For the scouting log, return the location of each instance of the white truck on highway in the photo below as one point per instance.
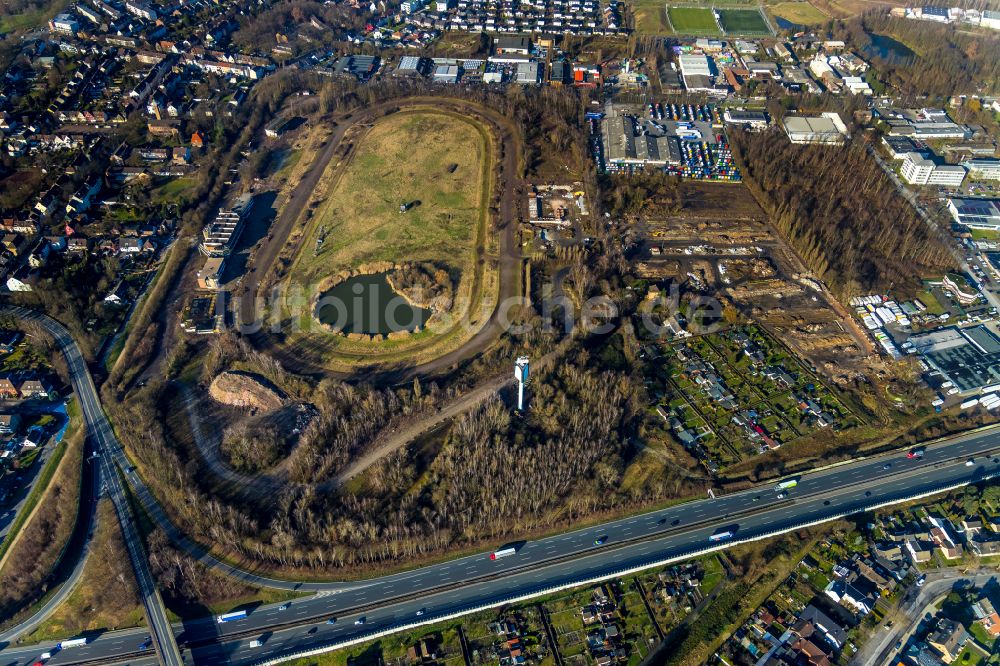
(503, 552)
(787, 484)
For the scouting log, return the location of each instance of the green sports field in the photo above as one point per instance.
(693, 21)
(743, 22)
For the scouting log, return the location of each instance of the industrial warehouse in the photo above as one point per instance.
(967, 360)
(685, 140)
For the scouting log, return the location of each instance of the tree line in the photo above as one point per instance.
(840, 212)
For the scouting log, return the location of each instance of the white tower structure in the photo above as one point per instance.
(521, 375)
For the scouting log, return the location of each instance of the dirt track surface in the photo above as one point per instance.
(264, 485)
(509, 147)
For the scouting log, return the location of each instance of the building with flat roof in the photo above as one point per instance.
(985, 168)
(899, 146)
(512, 44)
(623, 148)
(446, 74)
(210, 275)
(916, 168)
(826, 128)
(221, 234)
(752, 119)
(529, 73)
(976, 213)
(920, 170)
(967, 357)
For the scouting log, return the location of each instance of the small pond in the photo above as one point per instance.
(887, 48)
(368, 304)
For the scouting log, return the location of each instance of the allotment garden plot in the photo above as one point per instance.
(739, 393)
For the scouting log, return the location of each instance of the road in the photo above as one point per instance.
(81, 544)
(932, 226)
(919, 603)
(652, 539)
(9, 510)
(100, 433)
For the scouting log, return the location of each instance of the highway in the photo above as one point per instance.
(106, 444)
(650, 539)
(456, 586)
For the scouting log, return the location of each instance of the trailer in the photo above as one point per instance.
(503, 552)
(231, 617)
(73, 642)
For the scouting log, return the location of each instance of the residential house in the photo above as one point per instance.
(132, 245)
(77, 244)
(33, 438)
(948, 639)
(987, 616)
(972, 526)
(7, 389)
(918, 551)
(9, 340)
(9, 423)
(34, 388)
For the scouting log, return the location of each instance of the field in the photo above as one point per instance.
(438, 163)
(651, 17)
(693, 21)
(743, 22)
(801, 13)
(405, 157)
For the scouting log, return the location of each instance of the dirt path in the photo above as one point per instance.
(509, 182)
(266, 484)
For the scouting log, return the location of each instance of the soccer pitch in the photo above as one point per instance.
(693, 21)
(743, 22)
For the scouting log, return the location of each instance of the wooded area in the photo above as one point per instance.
(841, 213)
(945, 60)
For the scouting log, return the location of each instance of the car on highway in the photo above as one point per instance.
(887, 466)
(915, 454)
(921, 580)
(361, 620)
(332, 620)
(970, 462)
(146, 643)
(781, 495)
(283, 607)
(421, 612)
(600, 541)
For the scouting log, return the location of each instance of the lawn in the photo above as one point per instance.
(440, 164)
(650, 17)
(744, 22)
(693, 21)
(801, 13)
(431, 158)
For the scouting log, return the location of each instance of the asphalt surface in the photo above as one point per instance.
(106, 444)
(649, 539)
(918, 606)
(82, 542)
(20, 490)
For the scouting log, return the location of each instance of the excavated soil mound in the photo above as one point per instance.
(241, 389)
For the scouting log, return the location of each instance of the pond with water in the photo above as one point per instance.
(887, 48)
(368, 304)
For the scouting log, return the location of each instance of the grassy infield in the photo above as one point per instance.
(739, 17)
(405, 157)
